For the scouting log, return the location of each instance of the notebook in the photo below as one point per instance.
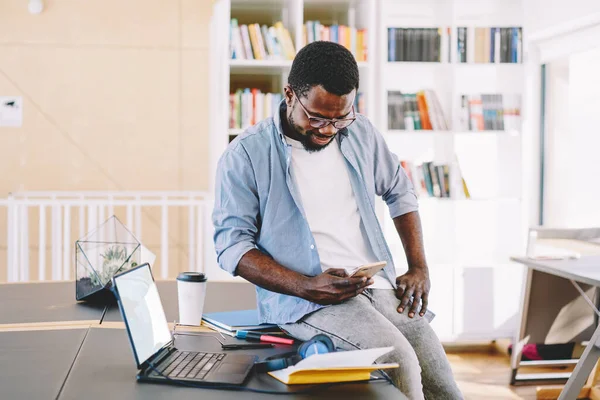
(339, 366)
(244, 320)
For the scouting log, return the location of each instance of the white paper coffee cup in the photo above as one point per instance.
(191, 291)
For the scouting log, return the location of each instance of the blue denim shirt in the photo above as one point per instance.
(257, 205)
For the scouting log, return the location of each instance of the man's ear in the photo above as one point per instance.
(289, 95)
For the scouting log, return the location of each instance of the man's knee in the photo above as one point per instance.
(407, 377)
(405, 355)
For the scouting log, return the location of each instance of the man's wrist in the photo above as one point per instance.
(418, 267)
(304, 287)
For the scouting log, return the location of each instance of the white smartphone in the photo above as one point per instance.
(368, 270)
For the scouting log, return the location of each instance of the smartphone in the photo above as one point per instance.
(368, 270)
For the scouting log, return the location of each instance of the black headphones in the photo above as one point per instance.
(319, 344)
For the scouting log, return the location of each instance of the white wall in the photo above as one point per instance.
(558, 149)
(573, 144)
(542, 15)
(584, 168)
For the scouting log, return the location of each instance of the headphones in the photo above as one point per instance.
(319, 344)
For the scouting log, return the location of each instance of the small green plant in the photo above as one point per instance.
(115, 259)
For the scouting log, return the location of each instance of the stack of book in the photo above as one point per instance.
(255, 42)
(417, 44)
(229, 322)
(415, 111)
(490, 45)
(249, 106)
(353, 39)
(436, 180)
(490, 112)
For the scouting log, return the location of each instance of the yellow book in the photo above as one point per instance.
(329, 375)
(340, 366)
(286, 40)
(254, 41)
(359, 46)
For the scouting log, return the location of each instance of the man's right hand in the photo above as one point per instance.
(334, 286)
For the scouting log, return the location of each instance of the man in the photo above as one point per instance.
(294, 211)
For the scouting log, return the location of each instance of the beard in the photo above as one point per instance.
(306, 137)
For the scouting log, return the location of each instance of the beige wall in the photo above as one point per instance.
(115, 96)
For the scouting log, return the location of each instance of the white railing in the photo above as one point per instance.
(89, 210)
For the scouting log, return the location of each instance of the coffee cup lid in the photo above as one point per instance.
(191, 277)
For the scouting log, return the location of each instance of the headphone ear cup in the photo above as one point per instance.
(318, 344)
(277, 362)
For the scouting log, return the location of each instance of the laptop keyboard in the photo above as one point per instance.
(188, 365)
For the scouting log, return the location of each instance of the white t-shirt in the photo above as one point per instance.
(331, 209)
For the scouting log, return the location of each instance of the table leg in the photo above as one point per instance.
(584, 367)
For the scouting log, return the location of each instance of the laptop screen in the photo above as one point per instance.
(143, 312)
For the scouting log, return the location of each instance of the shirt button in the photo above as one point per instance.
(312, 246)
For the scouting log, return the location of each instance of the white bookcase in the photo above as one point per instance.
(227, 75)
(271, 75)
(476, 289)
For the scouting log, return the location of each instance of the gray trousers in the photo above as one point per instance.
(371, 320)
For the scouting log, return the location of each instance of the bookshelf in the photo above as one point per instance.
(269, 75)
(468, 241)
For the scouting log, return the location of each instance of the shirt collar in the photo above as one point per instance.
(277, 120)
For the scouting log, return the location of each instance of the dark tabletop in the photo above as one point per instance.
(34, 364)
(105, 369)
(44, 302)
(55, 302)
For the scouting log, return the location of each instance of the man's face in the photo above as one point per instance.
(318, 103)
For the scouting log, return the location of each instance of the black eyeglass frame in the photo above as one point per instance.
(320, 123)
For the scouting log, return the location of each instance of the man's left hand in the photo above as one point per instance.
(415, 283)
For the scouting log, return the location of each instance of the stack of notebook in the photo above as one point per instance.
(231, 321)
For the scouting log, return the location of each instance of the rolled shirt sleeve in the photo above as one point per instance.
(236, 209)
(391, 181)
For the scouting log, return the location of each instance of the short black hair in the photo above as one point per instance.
(328, 64)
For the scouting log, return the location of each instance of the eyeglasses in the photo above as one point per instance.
(320, 123)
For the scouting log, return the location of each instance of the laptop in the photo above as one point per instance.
(153, 344)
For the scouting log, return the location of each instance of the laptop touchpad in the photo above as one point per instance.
(231, 368)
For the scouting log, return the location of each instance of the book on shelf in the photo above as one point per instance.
(415, 111)
(490, 112)
(360, 105)
(431, 179)
(351, 38)
(249, 106)
(418, 44)
(489, 45)
(256, 42)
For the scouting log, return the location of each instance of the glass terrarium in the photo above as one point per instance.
(104, 252)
